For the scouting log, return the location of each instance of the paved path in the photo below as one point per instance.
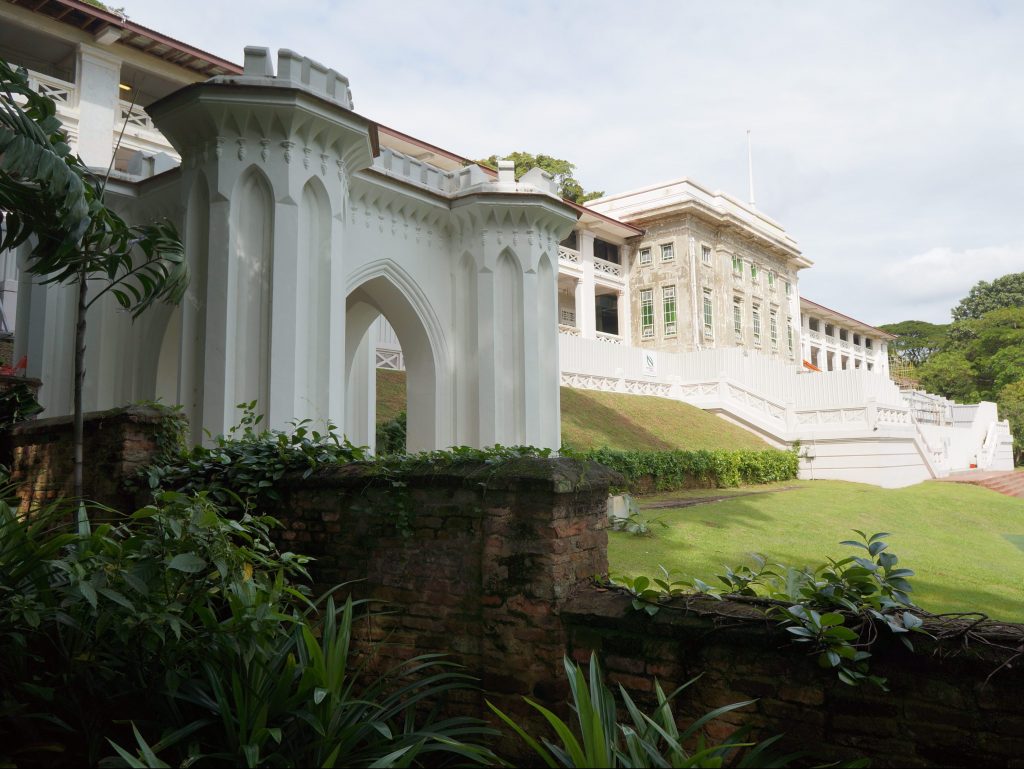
(1008, 482)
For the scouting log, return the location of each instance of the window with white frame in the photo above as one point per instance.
(789, 335)
(773, 329)
(789, 288)
(647, 313)
(737, 267)
(756, 317)
(645, 256)
(771, 280)
(668, 296)
(753, 273)
(737, 318)
(709, 314)
(705, 254)
(667, 252)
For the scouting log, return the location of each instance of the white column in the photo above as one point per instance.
(578, 297)
(218, 398)
(99, 75)
(285, 362)
(361, 419)
(622, 313)
(587, 319)
(486, 359)
(531, 435)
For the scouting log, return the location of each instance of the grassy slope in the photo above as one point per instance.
(950, 534)
(594, 419)
(390, 394)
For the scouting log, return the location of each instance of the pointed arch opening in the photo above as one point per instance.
(426, 418)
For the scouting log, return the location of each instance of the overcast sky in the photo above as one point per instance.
(888, 137)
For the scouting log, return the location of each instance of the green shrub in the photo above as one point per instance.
(187, 633)
(669, 470)
(600, 739)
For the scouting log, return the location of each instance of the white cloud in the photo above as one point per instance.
(880, 129)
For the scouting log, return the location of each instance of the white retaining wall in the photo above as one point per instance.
(852, 425)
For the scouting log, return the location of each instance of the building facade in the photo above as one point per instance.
(323, 245)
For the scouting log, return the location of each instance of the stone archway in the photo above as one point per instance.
(385, 290)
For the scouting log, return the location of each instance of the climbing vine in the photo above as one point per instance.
(836, 608)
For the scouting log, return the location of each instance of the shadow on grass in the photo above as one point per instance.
(721, 513)
(586, 412)
(955, 598)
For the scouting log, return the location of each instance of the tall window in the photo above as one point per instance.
(773, 329)
(789, 334)
(669, 306)
(753, 272)
(737, 267)
(709, 317)
(756, 316)
(647, 313)
(789, 288)
(645, 256)
(667, 252)
(771, 280)
(737, 318)
(705, 255)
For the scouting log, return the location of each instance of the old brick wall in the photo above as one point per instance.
(491, 564)
(488, 557)
(942, 710)
(117, 443)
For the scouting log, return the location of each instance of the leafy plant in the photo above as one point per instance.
(48, 194)
(17, 404)
(687, 469)
(599, 739)
(194, 627)
(836, 607)
(391, 435)
(299, 702)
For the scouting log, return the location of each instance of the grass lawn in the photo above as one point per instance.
(965, 543)
(593, 419)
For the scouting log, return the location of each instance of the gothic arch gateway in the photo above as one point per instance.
(300, 233)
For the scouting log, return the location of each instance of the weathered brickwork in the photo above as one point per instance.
(117, 443)
(940, 710)
(488, 558)
(492, 566)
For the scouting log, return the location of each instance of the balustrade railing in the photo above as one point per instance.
(135, 116)
(569, 255)
(607, 268)
(610, 338)
(61, 91)
(564, 328)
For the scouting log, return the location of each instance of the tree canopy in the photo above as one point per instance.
(980, 356)
(568, 186)
(1007, 291)
(917, 340)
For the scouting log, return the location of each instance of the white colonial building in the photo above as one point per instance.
(324, 245)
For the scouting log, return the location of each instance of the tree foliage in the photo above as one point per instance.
(917, 340)
(1007, 291)
(568, 186)
(1011, 407)
(50, 199)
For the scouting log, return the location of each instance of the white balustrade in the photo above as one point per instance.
(135, 116)
(610, 338)
(60, 91)
(568, 255)
(607, 268)
(564, 328)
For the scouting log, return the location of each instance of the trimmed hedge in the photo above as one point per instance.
(669, 470)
